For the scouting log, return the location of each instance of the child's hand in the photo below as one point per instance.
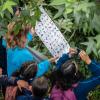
(72, 51)
(85, 57)
(32, 31)
(22, 84)
(53, 59)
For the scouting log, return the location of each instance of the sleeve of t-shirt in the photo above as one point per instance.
(89, 84)
(94, 67)
(29, 36)
(43, 67)
(62, 60)
(5, 81)
(85, 86)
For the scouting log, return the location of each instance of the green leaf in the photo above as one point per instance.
(36, 17)
(58, 2)
(91, 46)
(3, 32)
(0, 8)
(65, 24)
(17, 28)
(8, 6)
(71, 1)
(60, 11)
(99, 52)
(98, 41)
(96, 23)
(25, 13)
(68, 10)
(77, 17)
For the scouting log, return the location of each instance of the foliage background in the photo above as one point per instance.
(78, 21)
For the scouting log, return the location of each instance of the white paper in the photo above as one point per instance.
(51, 35)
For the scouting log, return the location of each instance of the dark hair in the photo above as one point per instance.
(69, 68)
(28, 70)
(65, 77)
(40, 87)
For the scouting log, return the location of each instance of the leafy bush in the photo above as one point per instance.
(78, 21)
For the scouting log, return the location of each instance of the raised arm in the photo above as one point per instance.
(5, 81)
(44, 66)
(62, 60)
(95, 68)
(92, 65)
(66, 57)
(30, 34)
(85, 86)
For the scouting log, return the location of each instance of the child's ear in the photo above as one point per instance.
(0, 71)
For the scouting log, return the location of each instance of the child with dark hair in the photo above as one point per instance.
(25, 75)
(11, 85)
(39, 89)
(30, 71)
(68, 83)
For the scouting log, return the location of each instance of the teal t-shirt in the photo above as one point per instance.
(43, 67)
(17, 56)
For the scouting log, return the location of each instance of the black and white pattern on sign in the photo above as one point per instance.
(51, 35)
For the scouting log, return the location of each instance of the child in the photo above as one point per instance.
(17, 53)
(31, 69)
(39, 90)
(27, 72)
(67, 79)
(11, 85)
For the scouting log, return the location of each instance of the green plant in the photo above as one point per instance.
(78, 20)
(93, 45)
(29, 14)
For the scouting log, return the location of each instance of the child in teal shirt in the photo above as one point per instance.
(17, 55)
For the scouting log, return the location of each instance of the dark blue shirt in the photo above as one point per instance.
(3, 57)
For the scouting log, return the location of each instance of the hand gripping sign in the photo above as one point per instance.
(51, 35)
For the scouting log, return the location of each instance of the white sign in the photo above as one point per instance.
(51, 35)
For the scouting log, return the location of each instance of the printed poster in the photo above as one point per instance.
(51, 35)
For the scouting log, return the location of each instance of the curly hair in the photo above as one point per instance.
(16, 37)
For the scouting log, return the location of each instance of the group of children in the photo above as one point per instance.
(26, 80)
